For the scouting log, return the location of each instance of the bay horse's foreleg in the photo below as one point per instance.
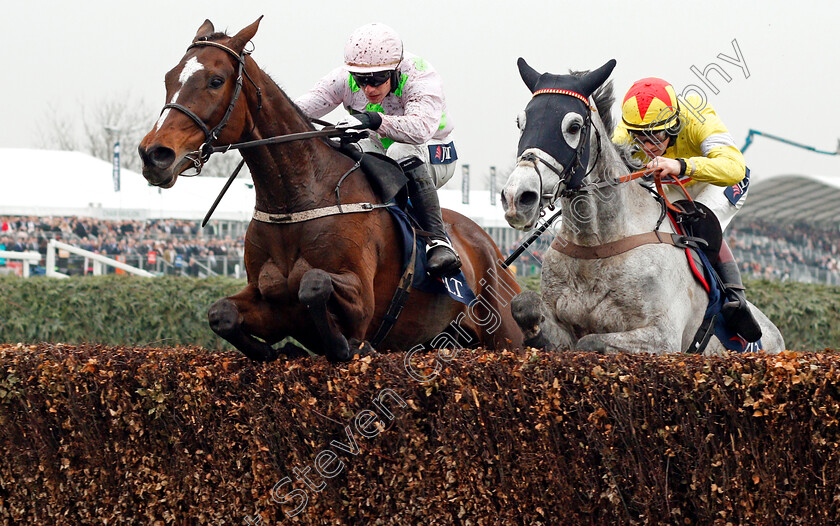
(538, 323)
(226, 317)
(332, 299)
(651, 339)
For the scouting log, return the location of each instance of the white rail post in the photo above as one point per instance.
(50, 272)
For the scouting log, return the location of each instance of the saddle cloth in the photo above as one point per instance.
(455, 287)
(705, 274)
(388, 181)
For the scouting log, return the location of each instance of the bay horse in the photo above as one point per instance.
(328, 280)
(643, 299)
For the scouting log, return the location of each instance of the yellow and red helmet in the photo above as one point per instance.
(650, 104)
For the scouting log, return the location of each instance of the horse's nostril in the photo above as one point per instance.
(159, 156)
(528, 199)
(162, 157)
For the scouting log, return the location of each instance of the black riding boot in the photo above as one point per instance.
(736, 311)
(442, 259)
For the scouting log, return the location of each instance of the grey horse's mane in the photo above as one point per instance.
(604, 99)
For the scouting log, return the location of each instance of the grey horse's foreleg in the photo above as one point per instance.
(539, 327)
(643, 340)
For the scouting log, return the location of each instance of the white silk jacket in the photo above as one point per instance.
(414, 113)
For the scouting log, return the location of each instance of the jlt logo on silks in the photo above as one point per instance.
(442, 153)
(736, 191)
(453, 286)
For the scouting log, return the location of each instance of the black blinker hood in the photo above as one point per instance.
(544, 116)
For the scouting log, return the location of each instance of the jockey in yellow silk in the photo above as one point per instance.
(694, 146)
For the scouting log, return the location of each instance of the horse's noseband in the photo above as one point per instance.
(200, 156)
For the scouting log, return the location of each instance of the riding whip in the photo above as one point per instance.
(533, 237)
(222, 193)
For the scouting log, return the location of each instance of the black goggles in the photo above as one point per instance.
(648, 135)
(377, 78)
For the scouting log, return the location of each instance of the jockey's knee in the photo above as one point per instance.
(399, 150)
(417, 171)
(438, 174)
(370, 145)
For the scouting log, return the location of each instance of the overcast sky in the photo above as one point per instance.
(65, 55)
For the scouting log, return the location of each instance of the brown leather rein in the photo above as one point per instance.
(657, 179)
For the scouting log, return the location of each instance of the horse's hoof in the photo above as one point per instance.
(223, 317)
(525, 308)
(535, 339)
(292, 351)
(269, 354)
(340, 354)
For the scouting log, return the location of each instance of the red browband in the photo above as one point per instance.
(555, 91)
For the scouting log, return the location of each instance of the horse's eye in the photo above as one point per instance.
(574, 128)
(520, 121)
(216, 82)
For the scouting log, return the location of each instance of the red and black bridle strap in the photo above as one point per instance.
(557, 91)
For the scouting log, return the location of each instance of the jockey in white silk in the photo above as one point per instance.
(399, 96)
(414, 113)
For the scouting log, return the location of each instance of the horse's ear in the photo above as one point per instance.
(593, 79)
(528, 74)
(205, 30)
(238, 41)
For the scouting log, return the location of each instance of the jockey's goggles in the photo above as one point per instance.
(650, 136)
(377, 78)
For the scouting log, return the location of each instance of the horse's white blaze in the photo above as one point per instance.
(190, 68)
(165, 113)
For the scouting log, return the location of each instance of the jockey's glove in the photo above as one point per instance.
(366, 120)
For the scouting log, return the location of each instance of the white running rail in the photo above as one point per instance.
(27, 257)
(98, 261)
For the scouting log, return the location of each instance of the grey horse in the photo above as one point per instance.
(644, 299)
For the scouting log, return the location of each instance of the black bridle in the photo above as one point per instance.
(200, 156)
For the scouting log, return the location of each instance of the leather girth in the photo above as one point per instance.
(621, 246)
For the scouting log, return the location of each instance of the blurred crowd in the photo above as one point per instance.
(771, 250)
(169, 239)
(764, 249)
